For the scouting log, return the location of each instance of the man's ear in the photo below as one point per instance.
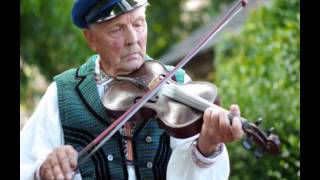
(91, 40)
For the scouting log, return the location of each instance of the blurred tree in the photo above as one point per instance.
(260, 70)
(174, 20)
(48, 41)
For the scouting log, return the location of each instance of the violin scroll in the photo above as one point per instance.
(268, 142)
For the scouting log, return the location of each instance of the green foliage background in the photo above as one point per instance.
(48, 40)
(259, 69)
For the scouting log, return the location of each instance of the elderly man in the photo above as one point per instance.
(70, 114)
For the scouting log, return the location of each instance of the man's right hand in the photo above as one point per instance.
(59, 164)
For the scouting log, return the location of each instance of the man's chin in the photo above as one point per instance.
(133, 60)
(132, 65)
(137, 65)
(133, 57)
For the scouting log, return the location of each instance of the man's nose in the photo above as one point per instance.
(131, 36)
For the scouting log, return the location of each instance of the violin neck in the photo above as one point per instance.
(175, 92)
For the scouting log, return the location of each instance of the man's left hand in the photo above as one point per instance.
(216, 129)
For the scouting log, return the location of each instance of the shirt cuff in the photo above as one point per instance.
(202, 161)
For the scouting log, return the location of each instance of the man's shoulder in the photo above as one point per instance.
(66, 75)
(74, 74)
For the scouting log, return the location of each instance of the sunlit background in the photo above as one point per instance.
(254, 62)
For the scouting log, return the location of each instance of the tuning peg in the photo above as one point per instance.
(270, 131)
(258, 122)
(247, 143)
(258, 153)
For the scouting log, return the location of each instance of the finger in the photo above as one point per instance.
(207, 114)
(73, 156)
(236, 129)
(49, 175)
(46, 171)
(64, 162)
(235, 110)
(206, 120)
(73, 160)
(54, 165)
(224, 122)
(225, 127)
(214, 122)
(57, 172)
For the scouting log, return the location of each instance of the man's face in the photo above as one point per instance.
(120, 42)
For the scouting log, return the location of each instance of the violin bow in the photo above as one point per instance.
(101, 139)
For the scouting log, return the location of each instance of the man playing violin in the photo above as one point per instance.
(70, 114)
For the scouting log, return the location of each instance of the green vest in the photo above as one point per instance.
(83, 118)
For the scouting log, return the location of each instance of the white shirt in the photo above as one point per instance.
(43, 132)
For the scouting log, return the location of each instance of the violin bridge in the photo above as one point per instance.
(154, 82)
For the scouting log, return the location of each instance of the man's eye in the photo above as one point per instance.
(114, 30)
(139, 26)
(117, 29)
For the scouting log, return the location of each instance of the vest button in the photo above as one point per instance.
(148, 139)
(110, 157)
(149, 165)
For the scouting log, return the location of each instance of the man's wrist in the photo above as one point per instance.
(207, 149)
(202, 161)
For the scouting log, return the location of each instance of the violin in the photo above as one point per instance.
(178, 108)
(151, 92)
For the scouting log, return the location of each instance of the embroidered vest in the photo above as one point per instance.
(83, 117)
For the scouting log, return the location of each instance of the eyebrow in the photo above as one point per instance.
(141, 17)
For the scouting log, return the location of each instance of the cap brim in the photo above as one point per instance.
(112, 10)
